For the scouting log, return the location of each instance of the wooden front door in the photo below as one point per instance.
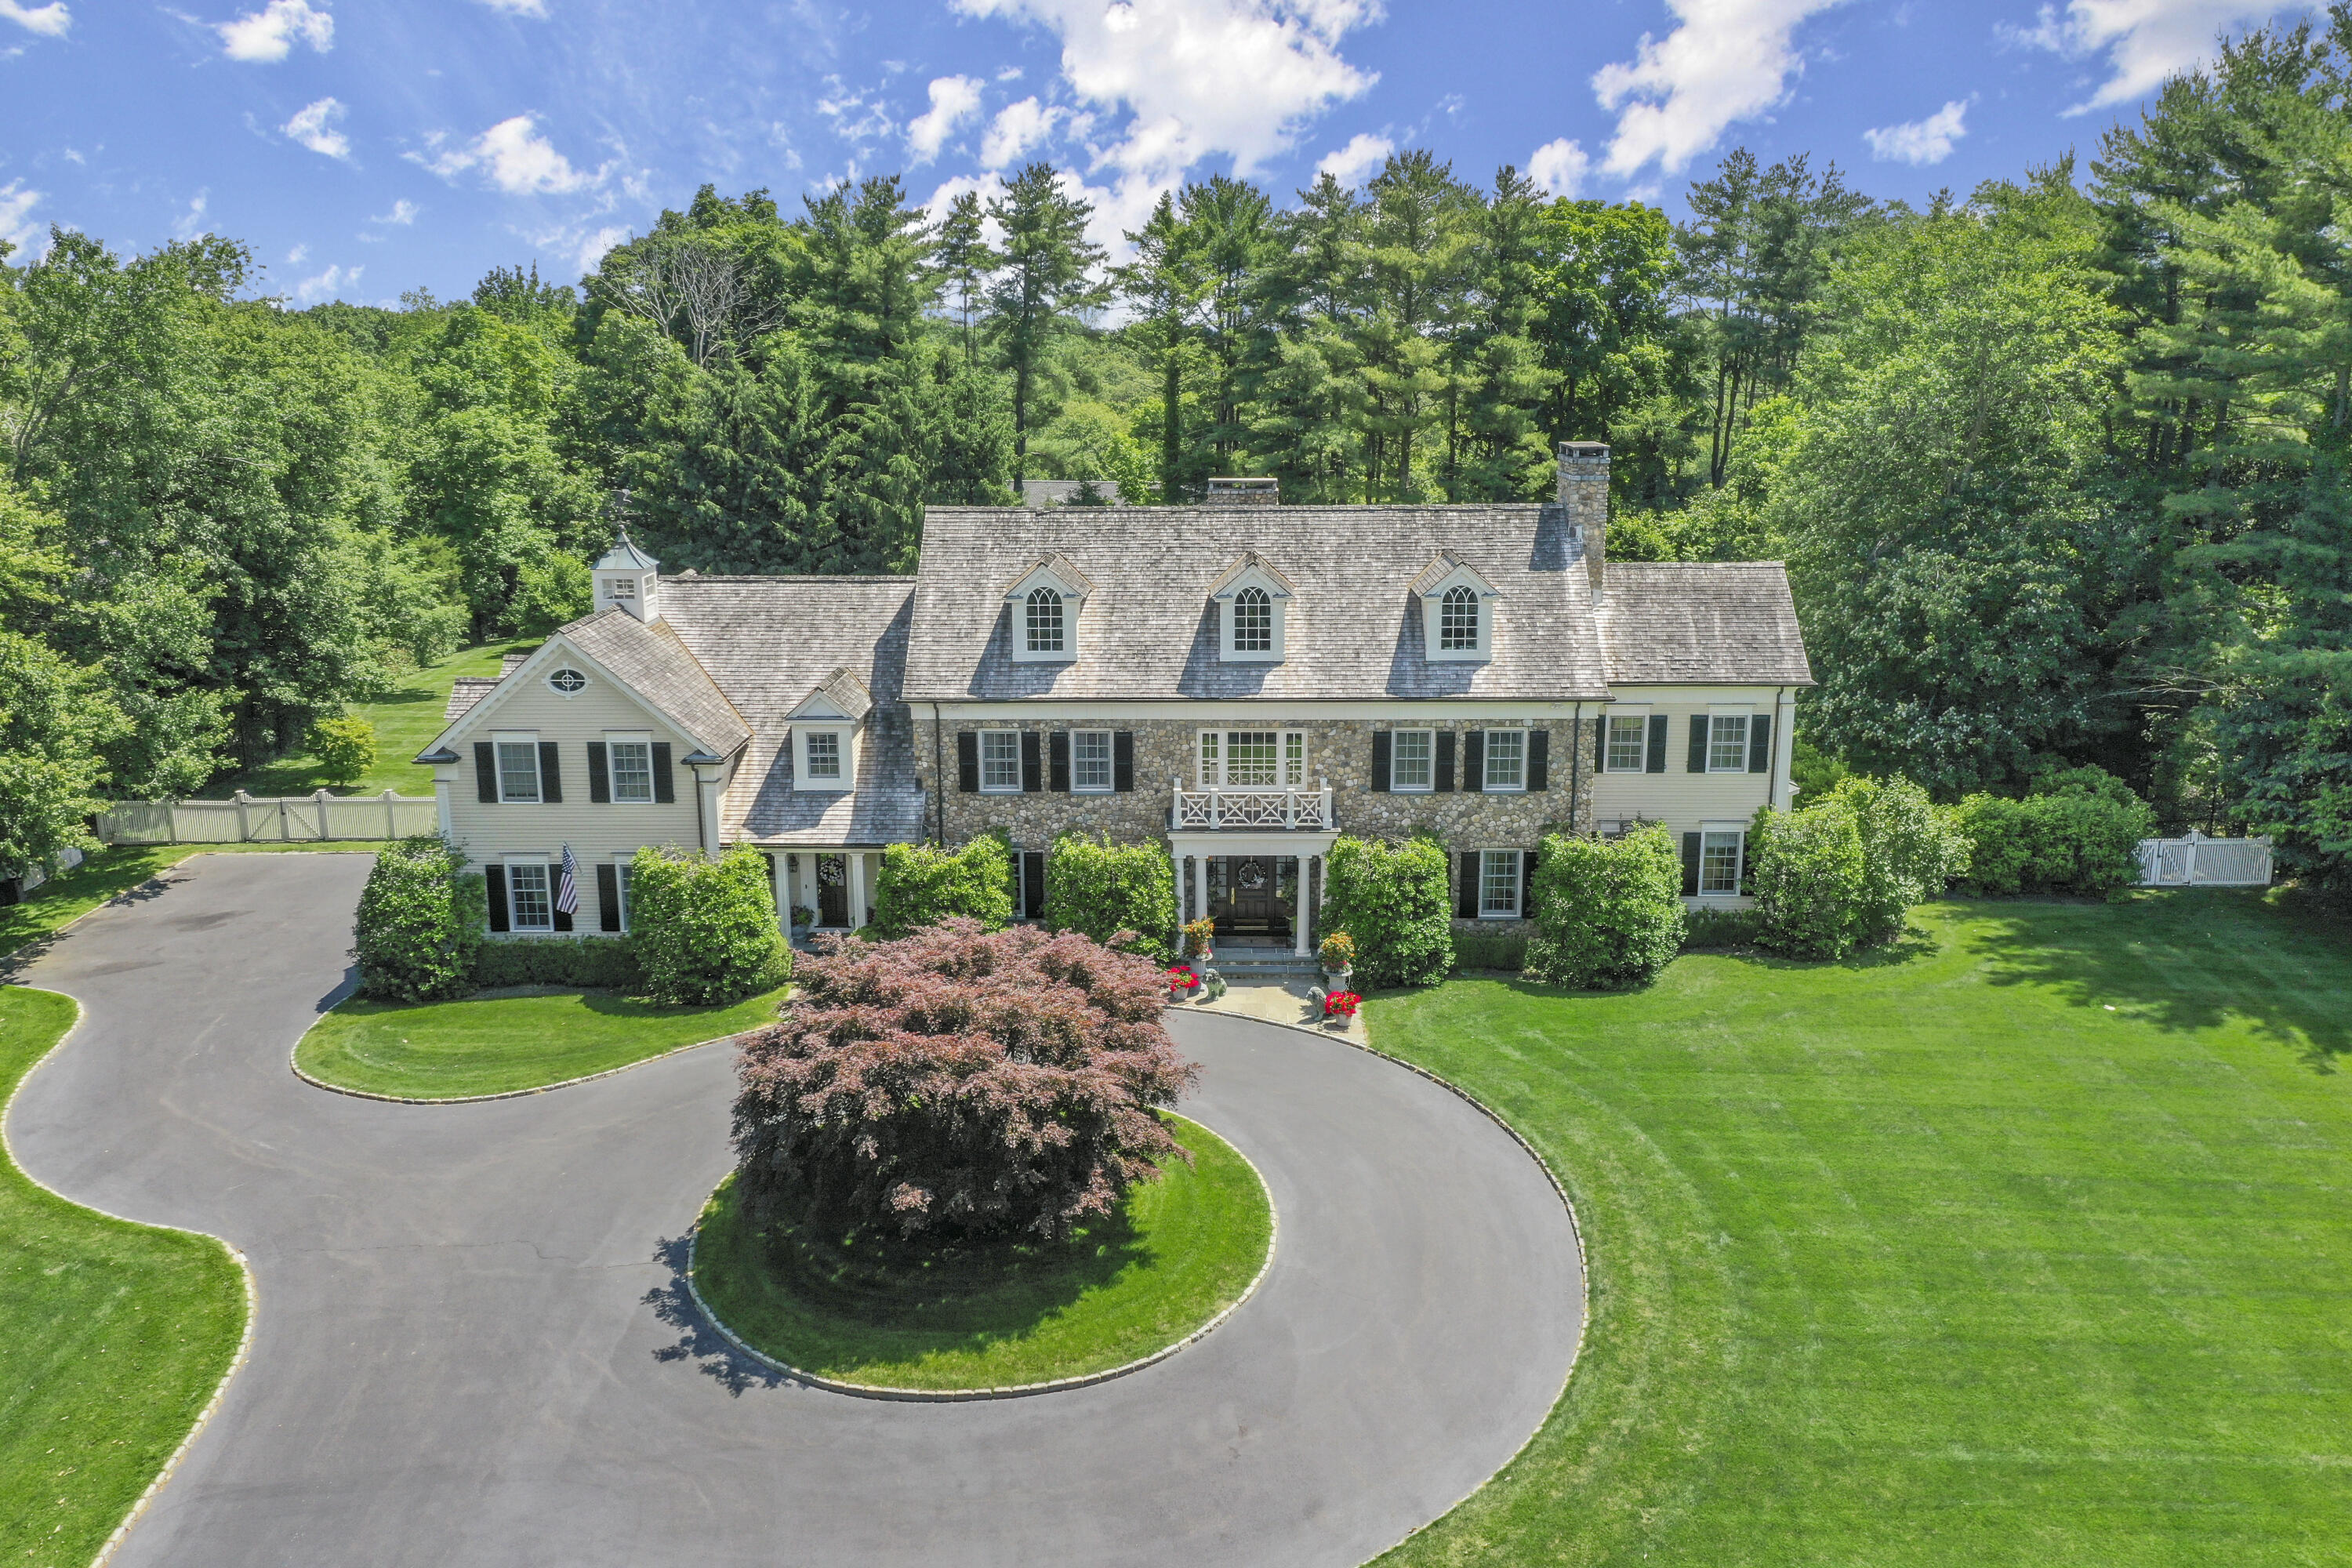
(1251, 905)
(832, 889)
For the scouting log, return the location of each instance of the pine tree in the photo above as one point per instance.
(1043, 280)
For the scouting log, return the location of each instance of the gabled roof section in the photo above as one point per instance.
(1056, 570)
(1252, 562)
(1667, 623)
(1445, 570)
(468, 689)
(654, 662)
(841, 695)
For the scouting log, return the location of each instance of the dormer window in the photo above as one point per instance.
(1457, 619)
(1255, 603)
(1253, 621)
(1044, 621)
(1457, 606)
(827, 725)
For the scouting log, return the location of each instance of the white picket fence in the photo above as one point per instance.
(2201, 862)
(245, 818)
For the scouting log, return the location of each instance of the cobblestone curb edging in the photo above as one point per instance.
(244, 1269)
(503, 1094)
(1018, 1391)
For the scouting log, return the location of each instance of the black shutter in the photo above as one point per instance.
(1465, 898)
(1539, 759)
(967, 762)
(1122, 763)
(486, 771)
(1033, 770)
(600, 777)
(1697, 759)
(1381, 744)
(1446, 761)
(1690, 865)
(1655, 761)
(551, 773)
(1058, 761)
(1527, 884)
(1473, 761)
(1759, 744)
(608, 897)
(562, 917)
(1032, 883)
(496, 876)
(1601, 743)
(665, 780)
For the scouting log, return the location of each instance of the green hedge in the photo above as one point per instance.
(1608, 912)
(1806, 872)
(1910, 851)
(1392, 896)
(420, 921)
(2080, 838)
(1106, 891)
(920, 885)
(575, 963)
(1714, 930)
(705, 930)
(1506, 951)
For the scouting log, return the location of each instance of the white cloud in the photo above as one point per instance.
(298, 255)
(16, 204)
(403, 212)
(2144, 41)
(1201, 77)
(333, 280)
(1928, 141)
(535, 9)
(1725, 60)
(1363, 153)
(514, 156)
(190, 224)
(312, 126)
(856, 117)
(1560, 166)
(51, 20)
(1018, 127)
(954, 99)
(269, 33)
(592, 249)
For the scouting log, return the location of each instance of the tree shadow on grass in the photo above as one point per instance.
(2184, 960)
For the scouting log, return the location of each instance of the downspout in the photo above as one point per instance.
(939, 778)
(1772, 763)
(1575, 765)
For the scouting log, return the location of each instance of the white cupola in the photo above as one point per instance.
(629, 578)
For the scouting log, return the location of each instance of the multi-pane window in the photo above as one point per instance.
(1000, 761)
(1506, 759)
(620, 588)
(517, 770)
(1628, 740)
(528, 905)
(1254, 759)
(1090, 760)
(1253, 621)
(1044, 621)
(567, 682)
(1498, 884)
(631, 766)
(1718, 862)
(1457, 619)
(1251, 758)
(1412, 764)
(1294, 758)
(824, 754)
(1726, 743)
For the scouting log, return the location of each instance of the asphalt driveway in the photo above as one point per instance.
(474, 1346)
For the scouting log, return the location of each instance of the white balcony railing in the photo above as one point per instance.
(1216, 809)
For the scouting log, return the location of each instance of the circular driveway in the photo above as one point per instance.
(474, 1346)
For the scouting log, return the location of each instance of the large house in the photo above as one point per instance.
(1237, 683)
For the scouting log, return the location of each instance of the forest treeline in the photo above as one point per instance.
(2059, 468)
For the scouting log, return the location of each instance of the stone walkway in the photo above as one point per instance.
(1281, 1003)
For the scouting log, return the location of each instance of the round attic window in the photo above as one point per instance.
(567, 682)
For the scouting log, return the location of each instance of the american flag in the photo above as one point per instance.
(567, 890)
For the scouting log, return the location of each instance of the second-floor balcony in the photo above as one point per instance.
(1229, 807)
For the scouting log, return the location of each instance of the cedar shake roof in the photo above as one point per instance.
(1354, 630)
(653, 661)
(467, 690)
(768, 642)
(1701, 622)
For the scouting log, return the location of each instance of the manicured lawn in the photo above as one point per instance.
(405, 721)
(502, 1042)
(1183, 1247)
(115, 1335)
(111, 873)
(2029, 1244)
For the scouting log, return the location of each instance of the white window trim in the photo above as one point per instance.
(1737, 830)
(1433, 620)
(1486, 764)
(1061, 651)
(586, 680)
(614, 738)
(1746, 733)
(979, 749)
(1282, 739)
(1518, 883)
(500, 737)
(1016, 619)
(514, 920)
(1642, 756)
(840, 783)
(622, 864)
(1278, 600)
(1396, 788)
(1109, 761)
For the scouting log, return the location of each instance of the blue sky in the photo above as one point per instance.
(365, 147)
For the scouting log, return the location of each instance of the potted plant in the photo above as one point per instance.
(1200, 939)
(1338, 955)
(804, 918)
(1342, 1006)
(1180, 982)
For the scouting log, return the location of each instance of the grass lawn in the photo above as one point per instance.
(405, 721)
(115, 1336)
(2027, 1244)
(505, 1041)
(113, 872)
(1181, 1249)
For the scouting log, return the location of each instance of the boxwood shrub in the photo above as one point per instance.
(1506, 951)
(1712, 931)
(420, 922)
(1390, 896)
(1121, 895)
(920, 885)
(1608, 912)
(578, 964)
(705, 930)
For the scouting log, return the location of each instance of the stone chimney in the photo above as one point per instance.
(1584, 493)
(1244, 492)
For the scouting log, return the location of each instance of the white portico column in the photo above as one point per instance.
(1298, 917)
(1176, 859)
(1200, 887)
(857, 888)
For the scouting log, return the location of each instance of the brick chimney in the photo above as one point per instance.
(1584, 493)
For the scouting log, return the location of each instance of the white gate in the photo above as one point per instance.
(245, 818)
(2201, 862)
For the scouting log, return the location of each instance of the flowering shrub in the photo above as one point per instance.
(959, 1082)
(1341, 1005)
(1339, 951)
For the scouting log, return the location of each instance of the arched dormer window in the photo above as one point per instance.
(1457, 618)
(1044, 621)
(1253, 621)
